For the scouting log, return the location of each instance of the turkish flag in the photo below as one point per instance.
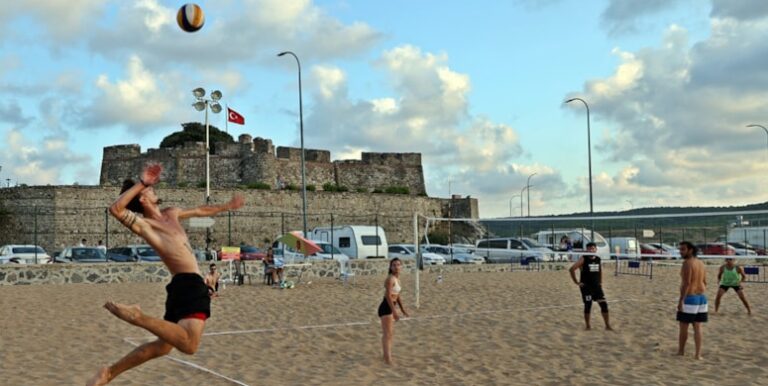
(235, 117)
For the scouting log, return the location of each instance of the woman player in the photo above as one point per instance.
(387, 311)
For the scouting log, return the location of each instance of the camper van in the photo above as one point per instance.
(624, 247)
(355, 241)
(579, 238)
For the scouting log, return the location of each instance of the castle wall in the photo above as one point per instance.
(66, 214)
(258, 161)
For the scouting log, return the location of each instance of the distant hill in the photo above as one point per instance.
(705, 228)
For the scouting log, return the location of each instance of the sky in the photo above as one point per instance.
(478, 88)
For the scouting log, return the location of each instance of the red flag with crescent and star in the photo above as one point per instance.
(235, 117)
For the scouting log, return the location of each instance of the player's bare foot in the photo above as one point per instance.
(128, 313)
(699, 357)
(100, 378)
(680, 354)
(608, 328)
(587, 328)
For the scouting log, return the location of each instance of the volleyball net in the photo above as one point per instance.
(635, 243)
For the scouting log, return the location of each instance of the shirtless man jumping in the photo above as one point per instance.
(188, 304)
(692, 306)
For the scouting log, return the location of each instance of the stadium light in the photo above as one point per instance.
(215, 107)
(589, 158)
(301, 135)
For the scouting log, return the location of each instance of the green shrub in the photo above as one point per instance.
(397, 190)
(342, 188)
(330, 187)
(362, 190)
(258, 185)
(182, 185)
(201, 184)
(291, 187)
(377, 190)
(311, 188)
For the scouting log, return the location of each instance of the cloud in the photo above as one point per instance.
(677, 113)
(623, 16)
(139, 101)
(43, 161)
(62, 21)
(739, 9)
(249, 30)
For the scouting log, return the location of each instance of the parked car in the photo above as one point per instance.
(248, 252)
(134, 252)
(408, 252)
(624, 247)
(327, 252)
(454, 255)
(82, 255)
(23, 254)
(579, 238)
(648, 251)
(512, 250)
(743, 249)
(670, 250)
(716, 249)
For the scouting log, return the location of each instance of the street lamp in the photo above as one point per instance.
(510, 204)
(631, 205)
(589, 157)
(526, 187)
(528, 184)
(301, 134)
(205, 104)
(760, 126)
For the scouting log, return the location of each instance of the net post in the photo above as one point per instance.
(416, 266)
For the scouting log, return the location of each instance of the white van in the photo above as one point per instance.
(579, 237)
(355, 241)
(624, 247)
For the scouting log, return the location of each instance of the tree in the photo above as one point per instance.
(195, 132)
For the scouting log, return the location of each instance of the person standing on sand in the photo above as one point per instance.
(591, 284)
(731, 276)
(188, 303)
(387, 312)
(212, 280)
(692, 306)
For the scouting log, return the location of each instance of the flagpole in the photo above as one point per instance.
(226, 123)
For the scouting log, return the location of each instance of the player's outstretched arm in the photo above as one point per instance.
(236, 202)
(149, 177)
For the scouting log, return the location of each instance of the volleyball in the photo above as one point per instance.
(190, 17)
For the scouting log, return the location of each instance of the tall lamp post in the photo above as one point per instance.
(301, 134)
(526, 187)
(528, 184)
(762, 127)
(510, 204)
(589, 157)
(215, 107)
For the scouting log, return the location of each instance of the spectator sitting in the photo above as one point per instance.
(212, 281)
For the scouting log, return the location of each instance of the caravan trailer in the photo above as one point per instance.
(355, 241)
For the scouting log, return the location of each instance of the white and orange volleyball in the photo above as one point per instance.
(190, 17)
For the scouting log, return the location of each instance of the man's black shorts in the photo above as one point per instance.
(736, 288)
(188, 297)
(592, 293)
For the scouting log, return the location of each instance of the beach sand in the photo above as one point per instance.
(521, 328)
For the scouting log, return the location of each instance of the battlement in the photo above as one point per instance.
(256, 161)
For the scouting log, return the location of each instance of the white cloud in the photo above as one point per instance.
(61, 20)
(140, 100)
(43, 162)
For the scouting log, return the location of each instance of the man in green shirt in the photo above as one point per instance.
(731, 276)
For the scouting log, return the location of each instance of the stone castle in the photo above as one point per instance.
(256, 161)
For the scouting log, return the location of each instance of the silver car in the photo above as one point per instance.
(454, 254)
(512, 250)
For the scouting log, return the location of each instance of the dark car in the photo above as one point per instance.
(131, 253)
(648, 249)
(81, 255)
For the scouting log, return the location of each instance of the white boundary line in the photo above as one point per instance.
(347, 324)
(195, 366)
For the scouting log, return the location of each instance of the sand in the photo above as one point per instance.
(522, 328)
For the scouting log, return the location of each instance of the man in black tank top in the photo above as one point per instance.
(591, 284)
